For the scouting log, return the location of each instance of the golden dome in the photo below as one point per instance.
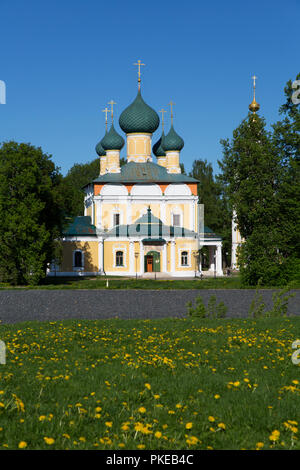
(254, 106)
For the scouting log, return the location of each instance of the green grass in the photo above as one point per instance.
(232, 282)
(161, 384)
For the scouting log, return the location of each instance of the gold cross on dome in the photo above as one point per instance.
(106, 111)
(139, 64)
(112, 102)
(171, 104)
(162, 111)
(254, 78)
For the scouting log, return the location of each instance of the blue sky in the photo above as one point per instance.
(63, 60)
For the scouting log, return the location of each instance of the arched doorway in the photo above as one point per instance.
(152, 262)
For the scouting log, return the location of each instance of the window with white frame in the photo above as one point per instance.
(184, 258)
(176, 220)
(119, 258)
(78, 259)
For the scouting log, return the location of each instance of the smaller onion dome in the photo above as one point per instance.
(254, 106)
(100, 150)
(172, 141)
(139, 117)
(112, 140)
(158, 147)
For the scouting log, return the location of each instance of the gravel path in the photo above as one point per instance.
(50, 305)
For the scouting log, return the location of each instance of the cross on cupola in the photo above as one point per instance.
(171, 106)
(112, 102)
(162, 111)
(139, 64)
(106, 111)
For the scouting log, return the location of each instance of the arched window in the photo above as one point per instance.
(184, 258)
(119, 258)
(176, 220)
(78, 259)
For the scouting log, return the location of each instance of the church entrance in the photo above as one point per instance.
(152, 262)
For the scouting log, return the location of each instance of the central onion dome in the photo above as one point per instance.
(112, 140)
(172, 141)
(139, 117)
(158, 147)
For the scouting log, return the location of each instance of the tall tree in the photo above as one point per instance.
(216, 211)
(31, 218)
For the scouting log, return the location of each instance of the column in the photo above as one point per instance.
(211, 252)
(141, 258)
(129, 207)
(219, 260)
(131, 257)
(163, 211)
(164, 259)
(172, 256)
(100, 256)
(98, 212)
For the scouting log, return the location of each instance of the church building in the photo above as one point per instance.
(142, 217)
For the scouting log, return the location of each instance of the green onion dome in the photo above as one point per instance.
(112, 140)
(172, 141)
(158, 147)
(139, 117)
(100, 150)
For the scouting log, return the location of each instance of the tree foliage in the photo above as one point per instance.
(260, 174)
(30, 213)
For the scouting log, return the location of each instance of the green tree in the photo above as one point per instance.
(31, 218)
(217, 215)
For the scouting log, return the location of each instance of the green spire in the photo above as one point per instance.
(112, 140)
(173, 141)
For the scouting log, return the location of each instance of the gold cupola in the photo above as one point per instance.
(254, 106)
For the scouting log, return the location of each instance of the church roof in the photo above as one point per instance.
(112, 140)
(81, 225)
(139, 117)
(157, 148)
(172, 141)
(148, 172)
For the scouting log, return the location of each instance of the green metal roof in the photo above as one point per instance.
(81, 225)
(139, 117)
(148, 172)
(157, 148)
(100, 150)
(173, 141)
(112, 140)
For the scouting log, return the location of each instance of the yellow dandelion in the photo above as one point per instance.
(142, 409)
(22, 445)
(49, 440)
(108, 424)
(148, 386)
(158, 434)
(211, 419)
(259, 445)
(188, 425)
(274, 436)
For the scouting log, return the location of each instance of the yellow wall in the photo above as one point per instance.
(138, 147)
(110, 249)
(90, 250)
(185, 245)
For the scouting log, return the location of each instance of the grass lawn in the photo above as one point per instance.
(232, 282)
(160, 384)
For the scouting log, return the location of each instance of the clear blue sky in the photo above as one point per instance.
(63, 60)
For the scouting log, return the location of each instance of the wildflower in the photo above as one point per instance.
(49, 440)
(211, 419)
(142, 409)
(259, 445)
(148, 386)
(108, 424)
(217, 396)
(188, 425)
(274, 436)
(22, 445)
(158, 434)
